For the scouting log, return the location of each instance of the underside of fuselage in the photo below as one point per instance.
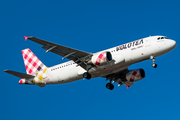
(111, 64)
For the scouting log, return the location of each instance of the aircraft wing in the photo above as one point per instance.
(77, 56)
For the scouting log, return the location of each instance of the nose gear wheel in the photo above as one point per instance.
(154, 65)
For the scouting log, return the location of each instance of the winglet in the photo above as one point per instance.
(26, 37)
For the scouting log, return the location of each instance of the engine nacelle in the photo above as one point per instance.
(135, 75)
(101, 58)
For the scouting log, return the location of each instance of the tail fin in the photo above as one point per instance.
(32, 63)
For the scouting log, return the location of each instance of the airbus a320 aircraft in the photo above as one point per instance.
(111, 64)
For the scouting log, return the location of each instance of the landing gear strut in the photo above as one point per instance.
(153, 60)
(87, 75)
(110, 86)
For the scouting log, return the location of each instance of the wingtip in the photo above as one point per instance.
(26, 37)
(5, 70)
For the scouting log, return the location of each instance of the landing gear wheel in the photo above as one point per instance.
(154, 65)
(153, 61)
(87, 75)
(109, 86)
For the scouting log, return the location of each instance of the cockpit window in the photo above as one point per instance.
(162, 38)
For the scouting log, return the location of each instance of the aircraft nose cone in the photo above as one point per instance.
(172, 44)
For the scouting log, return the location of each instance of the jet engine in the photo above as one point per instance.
(135, 75)
(101, 58)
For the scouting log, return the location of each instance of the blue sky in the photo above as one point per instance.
(89, 26)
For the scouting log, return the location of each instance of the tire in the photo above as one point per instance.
(109, 86)
(87, 75)
(154, 65)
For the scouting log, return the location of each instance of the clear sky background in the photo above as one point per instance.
(89, 26)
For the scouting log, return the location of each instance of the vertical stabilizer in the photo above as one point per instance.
(32, 63)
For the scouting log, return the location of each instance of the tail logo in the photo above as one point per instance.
(32, 63)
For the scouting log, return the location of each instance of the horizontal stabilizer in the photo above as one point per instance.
(20, 75)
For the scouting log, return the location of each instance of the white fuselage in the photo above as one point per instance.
(123, 56)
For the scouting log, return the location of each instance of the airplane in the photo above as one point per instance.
(111, 64)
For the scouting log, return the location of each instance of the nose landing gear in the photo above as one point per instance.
(154, 65)
(153, 60)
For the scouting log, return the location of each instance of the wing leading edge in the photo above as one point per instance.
(77, 56)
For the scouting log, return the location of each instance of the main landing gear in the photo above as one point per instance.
(153, 60)
(87, 75)
(110, 86)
